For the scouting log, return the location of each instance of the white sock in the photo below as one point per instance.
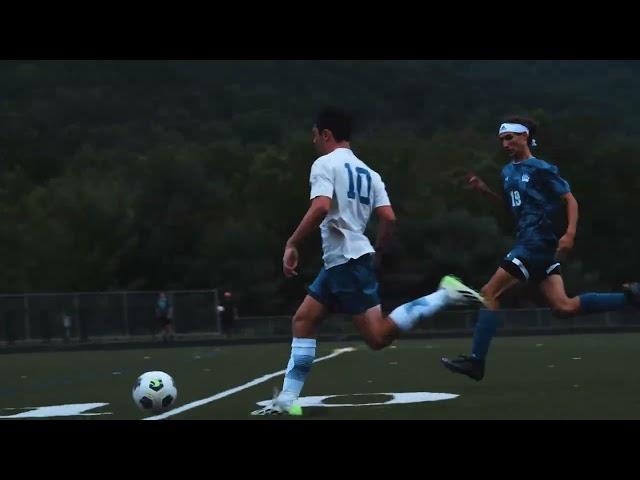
(408, 315)
(303, 352)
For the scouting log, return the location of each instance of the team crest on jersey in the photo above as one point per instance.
(525, 177)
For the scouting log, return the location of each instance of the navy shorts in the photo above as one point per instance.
(350, 288)
(531, 265)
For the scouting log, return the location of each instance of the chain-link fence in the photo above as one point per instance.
(461, 322)
(109, 316)
(84, 315)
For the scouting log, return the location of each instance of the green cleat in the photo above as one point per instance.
(280, 406)
(459, 293)
(295, 410)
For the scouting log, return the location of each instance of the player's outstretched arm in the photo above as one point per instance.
(477, 184)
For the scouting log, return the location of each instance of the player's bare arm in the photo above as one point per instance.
(313, 218)
(477, 184)
(565, 243)
(386, 228)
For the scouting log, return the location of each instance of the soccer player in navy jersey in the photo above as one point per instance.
(535, 193)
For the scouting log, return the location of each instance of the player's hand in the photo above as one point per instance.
(473, 182)
(565, 245)
(290, 261)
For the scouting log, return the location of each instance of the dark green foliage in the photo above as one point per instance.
(192, 174)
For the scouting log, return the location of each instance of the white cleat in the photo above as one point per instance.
(279, 406)
(459, 293)
(268, 410)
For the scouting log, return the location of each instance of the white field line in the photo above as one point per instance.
(239, 388)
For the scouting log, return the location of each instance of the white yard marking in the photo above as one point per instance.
(396, 399)
(70, 410)
(226, 393)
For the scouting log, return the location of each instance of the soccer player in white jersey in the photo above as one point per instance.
(344, 193)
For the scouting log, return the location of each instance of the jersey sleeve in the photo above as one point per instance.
(504, 173)
(321, 180)
(380, 196)
(554, 182)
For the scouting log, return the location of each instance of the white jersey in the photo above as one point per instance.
(355, 191)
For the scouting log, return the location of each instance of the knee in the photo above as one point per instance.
(490, 296)
(488, 293)
(298, 319)
(301, 326)
(377, 342)
(566, 308)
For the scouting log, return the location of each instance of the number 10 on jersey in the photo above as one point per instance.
(360, 172)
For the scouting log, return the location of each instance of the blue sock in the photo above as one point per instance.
(408, 315)
(602, 302)
(484, 332)
(303, 352)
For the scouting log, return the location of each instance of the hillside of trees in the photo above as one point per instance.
(192, 174)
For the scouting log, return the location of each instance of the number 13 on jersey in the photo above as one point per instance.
(360, 173)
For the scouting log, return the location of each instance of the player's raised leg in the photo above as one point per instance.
(564, 306)
(380, 331)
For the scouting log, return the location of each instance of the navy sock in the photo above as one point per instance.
(484, 332)
(602, 302)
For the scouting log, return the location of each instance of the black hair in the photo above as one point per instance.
(336, 120)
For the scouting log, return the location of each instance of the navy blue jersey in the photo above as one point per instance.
(533, 190)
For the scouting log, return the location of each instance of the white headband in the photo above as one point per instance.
(512, 128)
(515, 128)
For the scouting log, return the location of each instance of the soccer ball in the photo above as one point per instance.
(154, 392)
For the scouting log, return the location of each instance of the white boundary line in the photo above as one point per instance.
(239, 388)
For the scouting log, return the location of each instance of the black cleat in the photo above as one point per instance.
(632, 292)
(466, 365)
